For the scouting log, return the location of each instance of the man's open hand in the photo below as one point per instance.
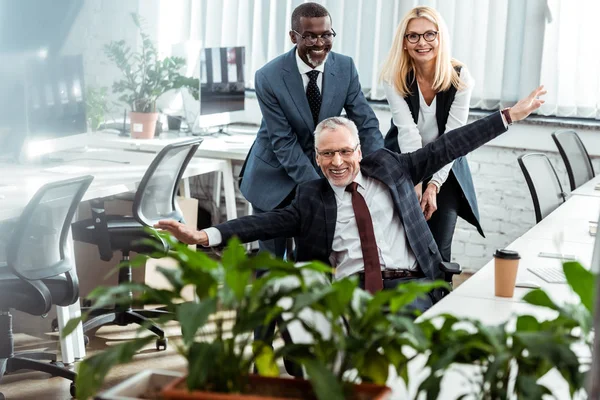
(527, 105)
(183, 233)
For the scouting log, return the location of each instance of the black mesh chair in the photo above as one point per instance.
(545, 188)
(154, 200)
(575, 156)
(39, 272)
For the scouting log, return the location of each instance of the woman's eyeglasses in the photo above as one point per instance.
(413, 38)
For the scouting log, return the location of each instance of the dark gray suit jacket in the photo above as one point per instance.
(283, 154)
(311, 217)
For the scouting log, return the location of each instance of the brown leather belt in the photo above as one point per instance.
(396, 274)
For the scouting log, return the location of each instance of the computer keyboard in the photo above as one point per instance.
(549, 274)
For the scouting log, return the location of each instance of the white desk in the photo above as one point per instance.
(588, 188)
(223, 147)
(18, 183)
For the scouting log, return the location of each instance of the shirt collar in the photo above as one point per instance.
(303, 68)
(339, 190)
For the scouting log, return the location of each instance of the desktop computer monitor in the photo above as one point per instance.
(222, 87)
(42, 104)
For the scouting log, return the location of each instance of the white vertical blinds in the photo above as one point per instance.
(510, 46)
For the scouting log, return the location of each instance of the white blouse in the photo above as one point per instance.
(413, 136)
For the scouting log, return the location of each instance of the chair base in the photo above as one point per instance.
(31, 361)
(101, 317)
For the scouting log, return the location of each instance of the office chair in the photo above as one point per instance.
(543, 183)
(575, 156)
(154, 200)
(39, 271)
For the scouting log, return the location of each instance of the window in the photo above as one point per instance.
(510, 46)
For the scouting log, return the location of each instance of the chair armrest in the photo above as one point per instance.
(451, 268)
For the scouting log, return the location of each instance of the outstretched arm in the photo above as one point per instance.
(459, 142)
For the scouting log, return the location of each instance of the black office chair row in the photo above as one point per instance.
(544, 186)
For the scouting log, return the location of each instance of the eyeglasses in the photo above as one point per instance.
(429, 36)
(344, 153)
(311, 39)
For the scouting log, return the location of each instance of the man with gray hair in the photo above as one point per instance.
(364, 219)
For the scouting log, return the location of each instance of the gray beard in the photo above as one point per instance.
(315, 63)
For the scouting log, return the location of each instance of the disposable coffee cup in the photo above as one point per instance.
(506, 264)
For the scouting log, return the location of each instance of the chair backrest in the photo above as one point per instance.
(155, 197)
(545, 188)
(575, 156)
(38, 248)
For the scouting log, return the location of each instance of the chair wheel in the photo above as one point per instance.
(161, 342)
(2, 397)
(86, 340)
(72, 390)
(54, 325)
(58, 364)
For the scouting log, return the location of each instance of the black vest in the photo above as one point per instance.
(444, 101)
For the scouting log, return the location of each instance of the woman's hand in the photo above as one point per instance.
(183, 233)
(419, 191)
(429, 201)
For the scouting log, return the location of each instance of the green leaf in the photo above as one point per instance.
(375, 367)
(265, 359)
(92, 371)
(324, 383)
(527, 323)
(581, 281)
(538, 297)
(192, 316)
(71, 325)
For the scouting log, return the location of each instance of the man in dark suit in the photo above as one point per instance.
(325, 220)
(295, 91)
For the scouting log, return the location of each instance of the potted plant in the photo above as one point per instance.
(221, 362)
(145, 79)
(506, 361)
(96, 106)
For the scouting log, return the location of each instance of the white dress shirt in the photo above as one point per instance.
(392, 244)
(304, 69)
(413, 136)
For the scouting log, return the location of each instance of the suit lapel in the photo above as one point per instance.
(331, 76)
(330, 205)
(293, 82)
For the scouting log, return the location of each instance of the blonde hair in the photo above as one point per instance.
(399, 64)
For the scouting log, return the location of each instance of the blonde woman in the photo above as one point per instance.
(429, 93)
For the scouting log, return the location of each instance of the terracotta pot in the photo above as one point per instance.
(264, 388)
(143, 125)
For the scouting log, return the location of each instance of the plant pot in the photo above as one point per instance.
(141, 385)
(264, 388)
(143, 125)
(174, 122)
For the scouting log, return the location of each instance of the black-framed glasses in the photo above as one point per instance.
(311, 39)
(413, 38)
(344, 153)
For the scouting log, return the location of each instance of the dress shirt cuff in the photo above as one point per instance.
(214, 236)
(504, 121)
(437, 184)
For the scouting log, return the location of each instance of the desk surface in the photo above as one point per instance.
(590, 188)
(232, 147)
(18, 183)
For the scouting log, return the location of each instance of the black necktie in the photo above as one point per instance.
(373, 279)
(313, 94)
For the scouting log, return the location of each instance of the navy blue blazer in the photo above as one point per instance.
(283, 154)
(311, 217)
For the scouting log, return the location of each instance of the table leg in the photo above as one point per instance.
(229, 189)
